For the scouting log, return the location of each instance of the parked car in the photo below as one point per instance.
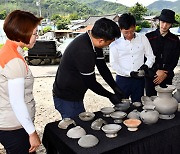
(64, 44)
(67, 41)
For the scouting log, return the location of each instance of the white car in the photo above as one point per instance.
(65, 43)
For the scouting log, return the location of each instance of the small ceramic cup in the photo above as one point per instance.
(132, 124)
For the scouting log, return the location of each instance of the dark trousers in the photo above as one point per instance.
(68, 109)
(150, 86)
(131, 87)
(15, 141)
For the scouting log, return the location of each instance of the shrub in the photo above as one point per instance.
(138, 28)
(145, 24)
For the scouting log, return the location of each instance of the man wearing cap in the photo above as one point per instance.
(166, 48)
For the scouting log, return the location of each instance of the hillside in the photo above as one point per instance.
(161, 4)
(83, 8)
(105, 7)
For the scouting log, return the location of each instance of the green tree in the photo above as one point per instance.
(60, 21)
(47, 29)
(73, 16)
(3, 14)
(55, 18)
(62, 24)
(138, 11)
(177, 18)
(138, 28)
(145, 24)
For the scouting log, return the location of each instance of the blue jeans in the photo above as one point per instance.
(131, 87)
(15, 141)
(68, 109)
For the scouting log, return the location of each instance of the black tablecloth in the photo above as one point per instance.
(162, 137)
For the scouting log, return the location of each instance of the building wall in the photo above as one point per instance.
(3, 37)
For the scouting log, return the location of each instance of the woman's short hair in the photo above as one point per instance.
(19, 25)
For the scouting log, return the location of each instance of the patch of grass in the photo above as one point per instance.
(25, 48)
(1, 45)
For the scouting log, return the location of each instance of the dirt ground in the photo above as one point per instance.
(45, 111)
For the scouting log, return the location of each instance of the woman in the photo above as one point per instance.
(17, 105)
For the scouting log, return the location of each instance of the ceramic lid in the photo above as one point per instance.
(76, 132)
(88, 141)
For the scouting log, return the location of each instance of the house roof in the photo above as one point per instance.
(87, 28)
(75, 27)
(149, 17)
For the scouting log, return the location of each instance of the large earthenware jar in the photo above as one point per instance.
(176, 95)
(165, 104)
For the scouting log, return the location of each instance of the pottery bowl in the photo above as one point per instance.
(63, 124)
(118, 115)
(123, 106)
(97, 124)
(107, 110)
(86, 116)
(137, 104)
(132, 124)
(88, 141)
(111, 129)
(76, 132)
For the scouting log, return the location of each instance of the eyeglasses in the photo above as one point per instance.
(128, 33)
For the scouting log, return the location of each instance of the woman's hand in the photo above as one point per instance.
(34, 142)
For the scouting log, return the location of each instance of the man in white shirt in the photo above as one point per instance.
(127, 57)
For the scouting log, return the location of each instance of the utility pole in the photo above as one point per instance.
(38, 4)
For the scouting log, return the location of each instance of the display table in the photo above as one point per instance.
(160, 138)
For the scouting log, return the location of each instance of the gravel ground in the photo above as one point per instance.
(45, 111)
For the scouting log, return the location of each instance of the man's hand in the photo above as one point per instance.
(160, 76)
(119, 93)
(114, 99)
(144, 67)
(135, 74)
(34, 142)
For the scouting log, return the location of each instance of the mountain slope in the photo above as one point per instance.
(104, 6)
(83, 8)
(162, 4)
